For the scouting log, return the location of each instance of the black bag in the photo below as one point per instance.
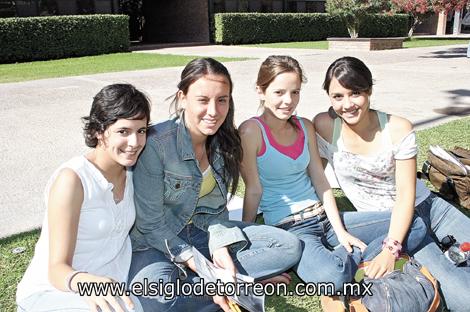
(448, 178)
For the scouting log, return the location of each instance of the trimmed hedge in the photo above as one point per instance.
(382, 25)
(52, 37)
(237, 28)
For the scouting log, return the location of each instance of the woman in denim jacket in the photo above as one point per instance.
(181, 182)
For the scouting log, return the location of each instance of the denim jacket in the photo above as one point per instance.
(167, 180)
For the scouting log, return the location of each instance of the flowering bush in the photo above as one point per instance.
(418, 9)
(449, 5)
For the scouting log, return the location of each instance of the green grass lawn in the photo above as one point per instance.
(425, 42)
(323, 45)
(12, 266)
(92, 65)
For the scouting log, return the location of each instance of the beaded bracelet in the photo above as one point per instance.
(69, 278)
(393, 246)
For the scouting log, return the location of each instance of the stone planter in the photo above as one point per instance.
(365, 44)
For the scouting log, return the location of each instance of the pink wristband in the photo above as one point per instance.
(393, 246)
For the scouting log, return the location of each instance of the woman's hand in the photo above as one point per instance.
(347, 240)
(382, 264)
(102, 303)
(191, 264)
(221, 258)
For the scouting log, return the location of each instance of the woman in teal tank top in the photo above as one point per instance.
(284, 178)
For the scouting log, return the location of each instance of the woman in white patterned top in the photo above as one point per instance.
(373, 155)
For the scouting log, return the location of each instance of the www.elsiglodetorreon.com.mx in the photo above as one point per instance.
(170, 290)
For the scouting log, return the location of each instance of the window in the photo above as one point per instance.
(266, 6)
(219, 6)
(85, 6)
(48, 7)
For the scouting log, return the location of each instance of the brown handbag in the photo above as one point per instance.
(448, 178)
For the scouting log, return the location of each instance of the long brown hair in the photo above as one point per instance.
(226, 141)
(275, 65)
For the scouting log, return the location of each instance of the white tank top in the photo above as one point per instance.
(368, 181)
(103, 246)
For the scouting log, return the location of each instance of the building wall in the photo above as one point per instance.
(176, 21)
(65, 7)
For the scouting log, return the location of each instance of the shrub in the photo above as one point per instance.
(43, 38)
(234, 28)
(354, 12)
(238, 28)
(384, 25)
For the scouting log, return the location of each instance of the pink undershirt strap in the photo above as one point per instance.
(293, 151)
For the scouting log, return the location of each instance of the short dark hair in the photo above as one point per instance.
(351, 73)
(113, 102)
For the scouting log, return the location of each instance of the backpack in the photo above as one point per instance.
(411, 288)
(448, 178)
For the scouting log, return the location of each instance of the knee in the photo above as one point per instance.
(152, 279)
(416, 234)
(332, 274)
(291, 247)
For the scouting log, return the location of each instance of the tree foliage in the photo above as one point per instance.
(418, 9)
(449, 5)
(353, 12)
(421, 9)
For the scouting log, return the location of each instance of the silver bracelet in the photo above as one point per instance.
(69, 278)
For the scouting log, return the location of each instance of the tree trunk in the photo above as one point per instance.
(353, 28)
(416, 22)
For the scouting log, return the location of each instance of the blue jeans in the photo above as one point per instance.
(444, 219)
(270, 251)
(325, 260)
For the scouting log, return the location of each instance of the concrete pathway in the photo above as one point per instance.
(40, 124)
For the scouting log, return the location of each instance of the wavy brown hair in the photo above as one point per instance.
(226, 141)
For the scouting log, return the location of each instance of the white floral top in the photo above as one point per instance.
(369, 180)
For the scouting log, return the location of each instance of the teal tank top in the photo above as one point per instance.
(287, 188)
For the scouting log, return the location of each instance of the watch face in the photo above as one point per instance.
(447, 242)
